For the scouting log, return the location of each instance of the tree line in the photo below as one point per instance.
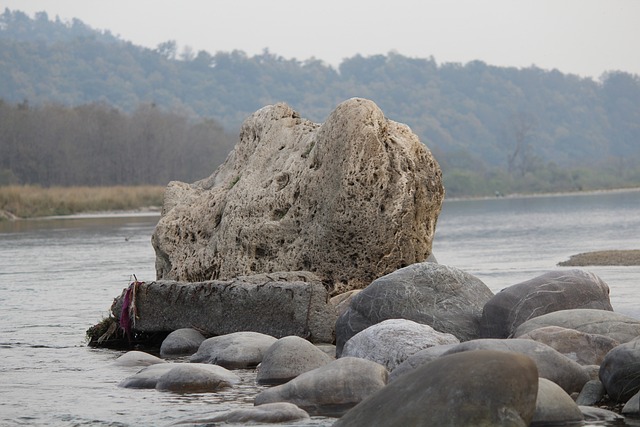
(98, 145)
(491, 128)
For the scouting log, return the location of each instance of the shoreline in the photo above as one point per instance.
(156, 210)
(31, 201)
(116, 213)
(147, 211)
(624, 257)
(534, 195)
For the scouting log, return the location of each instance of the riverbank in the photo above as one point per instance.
(612, 257)
(553, 194)
(31, 201)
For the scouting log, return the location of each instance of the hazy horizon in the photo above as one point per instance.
(583, 37)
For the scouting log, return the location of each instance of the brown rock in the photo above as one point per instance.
(350, 200)
(586, 349)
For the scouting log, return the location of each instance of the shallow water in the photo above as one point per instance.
(59, 276)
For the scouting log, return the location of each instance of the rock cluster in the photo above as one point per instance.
(350, 200)
(300, 212)
(394, 370)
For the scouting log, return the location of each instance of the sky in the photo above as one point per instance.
(583, 37)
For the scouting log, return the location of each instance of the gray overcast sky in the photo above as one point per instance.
(584, 37)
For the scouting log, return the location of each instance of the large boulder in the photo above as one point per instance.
(601, 322)
(330, 390)
(391, 342)
(350, 200)
(479, 388)
(445, 298)
(620, 371)
(552, 291)
(277, 304)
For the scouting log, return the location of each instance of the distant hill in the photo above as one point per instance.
(491, 128)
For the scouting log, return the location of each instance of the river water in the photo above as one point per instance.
(58, 277)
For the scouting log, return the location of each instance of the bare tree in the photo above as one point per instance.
(516, 137)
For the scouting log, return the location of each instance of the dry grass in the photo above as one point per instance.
(33, 201)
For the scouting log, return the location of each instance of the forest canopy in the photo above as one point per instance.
(492, 129)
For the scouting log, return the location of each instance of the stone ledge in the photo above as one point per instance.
(279, 305)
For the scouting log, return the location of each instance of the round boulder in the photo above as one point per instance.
(551, 364)
(136, 358)
(601, 322)
(620, 371)
(552, 291)
(237, 350)
(196, 378)
(331, 389)
(632, 407)
(420, 358)
(147, 377)
(554, 405)
(592, 392)
(445, 298)
(181, 342)
(289, 357)
(584, 348)
(392, 341)
(478, 388)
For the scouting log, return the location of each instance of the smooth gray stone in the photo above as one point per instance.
(632, 407)
(196, 378)
(608, 323)
(135, 358)
(269, 413)
(418, 359)
(182, 342)
(554, 405)
(479, 388)
(551, 364)
(330, 390)
(235, 351)
(552, 291)
(592, 392)
(289, 357)
(584, 348)
(445, 298)
(147, 377)
(620, 371)
(392, 341)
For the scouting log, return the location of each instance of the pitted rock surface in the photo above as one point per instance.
(350, 200)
